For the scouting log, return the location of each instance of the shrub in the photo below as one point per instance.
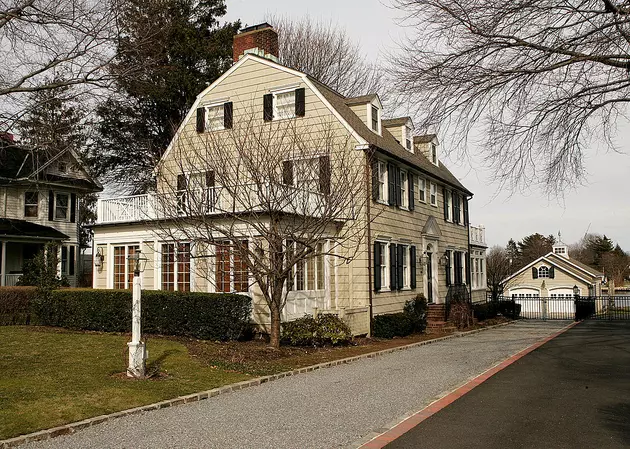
(485, 311)
(509, 309)
(326, 329)
(416, 309)
(392, 325)
(205, 316)
(15, 305)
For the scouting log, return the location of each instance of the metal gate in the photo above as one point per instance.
(566, 307)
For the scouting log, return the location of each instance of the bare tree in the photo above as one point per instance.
(536, 79)
(616, 266)
(48, 45)
(267, 197)
(325, 52)
(498, 267)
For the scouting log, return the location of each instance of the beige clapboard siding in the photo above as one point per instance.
(561, 280)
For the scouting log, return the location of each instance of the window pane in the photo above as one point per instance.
(168, 266)
(119, 267)
(223, 267)
(183, 267)
(320, 266)
(241, 273)
(61, 206)
(214, 118)
(285, 105)
(31, 203)
(310, 273)
(307, 174)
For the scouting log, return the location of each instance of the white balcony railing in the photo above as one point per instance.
(215, 200)
(478, 235)
(10, 280)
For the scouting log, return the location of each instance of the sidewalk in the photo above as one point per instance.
(333, 407)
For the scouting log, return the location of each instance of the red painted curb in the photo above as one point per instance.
(409, 423)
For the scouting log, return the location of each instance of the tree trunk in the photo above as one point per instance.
(274, 337)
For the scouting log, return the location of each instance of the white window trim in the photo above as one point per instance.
(448, 199)
(274, 103)
(404, 189)
(311, 259)
(431, 186)
(69, 212)
(207, 126)
(407, 272)
(37, 204)
(175, 265)
(385, 173)
(543, 277)
(435, 162)
(385, 283)
(379, 125)
(408, 138)
(422, 180)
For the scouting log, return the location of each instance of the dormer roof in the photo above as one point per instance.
(400, 121)
(425, 138)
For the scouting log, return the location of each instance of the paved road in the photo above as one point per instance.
(324, 409)
(572, 392)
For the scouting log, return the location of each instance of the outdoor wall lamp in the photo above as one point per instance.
(443, 260)
(576, 291)
(98, 259)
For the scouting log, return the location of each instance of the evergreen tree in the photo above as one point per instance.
(183, 49)
(534, 246)
(512, 251)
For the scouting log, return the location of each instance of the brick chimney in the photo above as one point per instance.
(261, 40)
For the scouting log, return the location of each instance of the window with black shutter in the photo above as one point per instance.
(268, 107)
(228, 115)
(457, 255)
(466, 218)
(456, 208)
(449, 261)
(552, 272)
(375, 180)
(51, 205)
(201, 119)
(534, 273)
(397, 186)
(73, 208)
(400, 277)
(411, 188)
(446, 206)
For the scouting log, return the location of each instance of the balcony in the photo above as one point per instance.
(247, 198)
(478, 235)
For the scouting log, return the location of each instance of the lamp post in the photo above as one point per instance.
(137, 348)
(576, 297)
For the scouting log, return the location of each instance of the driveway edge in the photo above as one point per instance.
(67, 429)
(396, 429)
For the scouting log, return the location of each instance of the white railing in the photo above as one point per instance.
(10, 280)
(214, 200)
(478, 235)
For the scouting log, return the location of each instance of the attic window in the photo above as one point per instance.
(62, 167)
(543, 272)
(374, 118)
(434, 157)
(408, 137)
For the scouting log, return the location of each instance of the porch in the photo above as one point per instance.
(12, 259)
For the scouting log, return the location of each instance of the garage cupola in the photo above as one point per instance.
(560, 248)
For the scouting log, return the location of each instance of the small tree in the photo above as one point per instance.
(41, 271)
(273, 195)
(616, 265)
(498, 268)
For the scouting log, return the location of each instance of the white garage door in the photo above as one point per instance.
(528, 298)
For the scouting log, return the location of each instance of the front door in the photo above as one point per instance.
(429, 277)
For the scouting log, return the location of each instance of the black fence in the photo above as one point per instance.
(566, 307)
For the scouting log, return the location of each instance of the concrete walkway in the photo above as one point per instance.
(335, 407)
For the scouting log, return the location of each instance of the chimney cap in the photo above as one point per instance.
(260, 26)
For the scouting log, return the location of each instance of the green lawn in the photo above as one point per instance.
(52, 377)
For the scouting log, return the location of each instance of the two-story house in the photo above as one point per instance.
(39, 203)
(416, 211)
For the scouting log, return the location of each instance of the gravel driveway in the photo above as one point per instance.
(327, 408)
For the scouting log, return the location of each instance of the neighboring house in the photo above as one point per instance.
(39, 204)
(478, 275)
(553, 278)
(418, 238)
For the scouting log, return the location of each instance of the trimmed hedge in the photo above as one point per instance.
(412, 319)
(15, 305)
(207, 316)
(485, 311)
(326, 329)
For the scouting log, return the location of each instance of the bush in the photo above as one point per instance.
(416, 309)
(461, 314)
(205, 316)
(509, 309)
(485, 311)
(15, 305)
(326, 329)
(392, 325)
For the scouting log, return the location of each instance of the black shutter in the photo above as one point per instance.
(71, 261)
(51, 205)
(466, 218)
(210, 178)
(377, 266)
(449, 258)
(375, 184)
(391, 181)
(181, 183)
(324, 175)
(467, 268)
(445, 203)
(552, 273)
(397, 187)
(228, 115)
(413, 266)
(300, 104)
(411, 190)
(73, 208)
(201, 120)
(268, 107)
(455, 199)
(399, 265)
(287, 172)
(534, 272)
(393, 269)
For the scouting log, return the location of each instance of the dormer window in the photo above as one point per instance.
(375, 119)
(408, 138)
(434, 157)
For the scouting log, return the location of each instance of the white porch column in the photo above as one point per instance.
(3, 264)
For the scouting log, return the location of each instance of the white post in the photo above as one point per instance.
(3, 264)
(137, 349)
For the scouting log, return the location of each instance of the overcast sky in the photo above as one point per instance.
(600, 206)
